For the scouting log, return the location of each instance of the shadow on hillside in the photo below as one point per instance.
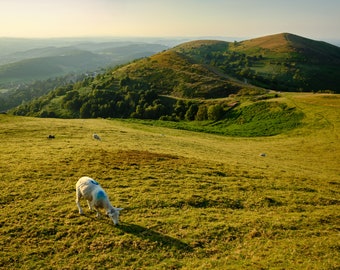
(154, 236)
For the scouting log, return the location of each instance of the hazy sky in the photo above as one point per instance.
(316, 19)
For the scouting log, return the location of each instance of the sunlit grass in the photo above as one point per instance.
(191, 200)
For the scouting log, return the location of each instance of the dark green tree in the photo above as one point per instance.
(191, 112)
(215, 112)
(202, 113)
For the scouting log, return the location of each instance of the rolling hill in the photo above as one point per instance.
(50, 66)
(205, 80)
(52, 61)
(284, 62)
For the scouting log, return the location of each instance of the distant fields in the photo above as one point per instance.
(191, 200)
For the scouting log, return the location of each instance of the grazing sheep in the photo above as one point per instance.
(96, 137)
(96, 198)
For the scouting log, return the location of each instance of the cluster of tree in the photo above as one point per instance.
(112, 103)
(118, 103)
(190, 111)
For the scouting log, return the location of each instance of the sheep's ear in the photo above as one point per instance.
(119, 209)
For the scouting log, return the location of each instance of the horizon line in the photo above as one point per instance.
(332, 40)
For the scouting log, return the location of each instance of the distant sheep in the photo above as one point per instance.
(96, 137)
(96, 198)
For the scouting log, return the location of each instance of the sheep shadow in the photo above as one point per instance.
(151, 235)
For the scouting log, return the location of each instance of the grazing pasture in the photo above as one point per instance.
(191, 200)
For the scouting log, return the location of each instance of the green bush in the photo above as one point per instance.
(215, 112)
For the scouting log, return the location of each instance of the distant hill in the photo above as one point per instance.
(133, 51)
(50, 51)
(31, 68)
(52, 61)
(50, 66)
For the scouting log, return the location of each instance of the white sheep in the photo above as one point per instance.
(96, 137)
(96, 198)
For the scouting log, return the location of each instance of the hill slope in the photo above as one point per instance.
(171, 73)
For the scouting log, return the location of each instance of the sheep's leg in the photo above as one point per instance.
(90, 205)
(93, 208)
(98, 213)
(78, 196)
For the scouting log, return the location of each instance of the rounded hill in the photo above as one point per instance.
(173, 73)
(284, 62)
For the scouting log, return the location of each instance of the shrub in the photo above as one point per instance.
(202, 113)
(191, 112)
(215, 112)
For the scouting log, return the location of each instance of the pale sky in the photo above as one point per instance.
(316, 19)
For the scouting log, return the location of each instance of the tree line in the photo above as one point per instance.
(117, 100)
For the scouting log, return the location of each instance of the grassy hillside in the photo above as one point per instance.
(174, 74)
(192, 200)
(284, 61)
(291, 61)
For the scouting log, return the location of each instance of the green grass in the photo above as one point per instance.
(192, 200)
(249, 120)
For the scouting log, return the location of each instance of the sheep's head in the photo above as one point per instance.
(114, 214)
